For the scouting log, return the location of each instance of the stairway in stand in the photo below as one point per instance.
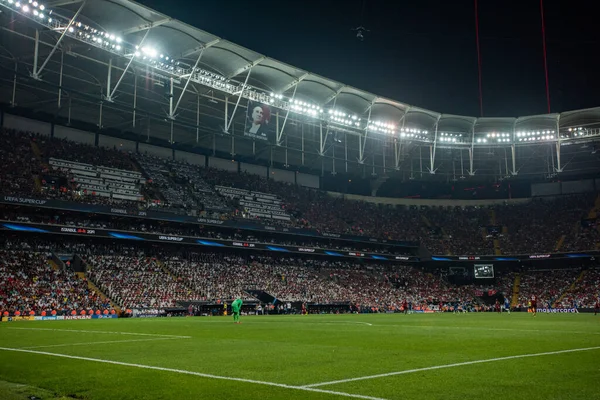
(54, 265)
(173, 275)
(92, 286)
(559, 243)
(515, 293)
(571, 287)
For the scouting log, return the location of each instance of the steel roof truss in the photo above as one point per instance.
(144, 27)
(36, 73)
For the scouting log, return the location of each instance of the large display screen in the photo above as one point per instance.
(258, 121)
(484, 271)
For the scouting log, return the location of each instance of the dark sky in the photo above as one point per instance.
(423, 52)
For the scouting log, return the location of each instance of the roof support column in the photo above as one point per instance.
(187, 82)
(60, 78)
(69, 113)
(559, 168)
(226, 129)
(321, 141)
(108, 78)
(280, 133)
(302, 137)
(100, 115)
(333, 160)
(14, 88)
(513, 172)
(397, 153)
(362, 144)
(470, 171)
(198, 119)
(346, 150)
(109, 95)
(36, 54)
(36, 74)
(232, 152)
(432, 168)
(286, 153)
(134, 98)
(171, 106)
(514, 160)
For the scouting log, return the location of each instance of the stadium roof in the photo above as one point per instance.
(228, 59)
(81, 74)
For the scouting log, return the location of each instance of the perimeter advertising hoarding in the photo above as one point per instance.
(162, 216)
(150, 237)
(258, 122)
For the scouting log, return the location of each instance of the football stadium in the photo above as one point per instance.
(184, 217)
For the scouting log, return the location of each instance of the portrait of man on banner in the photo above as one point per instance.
(258, 117)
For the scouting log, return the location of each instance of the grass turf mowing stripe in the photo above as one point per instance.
(181, 371)
(93, 343)
(104, 332)
(410, 371)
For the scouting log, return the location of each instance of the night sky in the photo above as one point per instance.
(423, 52)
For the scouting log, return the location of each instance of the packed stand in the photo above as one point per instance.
(19, 165)
(546, 286)
(30, 286)
(136, 282)
(585, 293)
(537, 226)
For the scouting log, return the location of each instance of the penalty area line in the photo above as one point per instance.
(103, 332)
(200, 374)
(94, 343)
(410, 371)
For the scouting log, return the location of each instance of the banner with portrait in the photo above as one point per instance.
(258, 122)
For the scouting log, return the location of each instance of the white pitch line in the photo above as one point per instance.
(93, 343)
(442, 327)
(105, 332)
(185, 372)
(410, 371)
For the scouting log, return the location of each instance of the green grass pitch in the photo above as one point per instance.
(384, 356)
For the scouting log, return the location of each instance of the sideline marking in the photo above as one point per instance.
(410, 371)
(442, 327)
(185, 372)
(92, 343)
(104, 332)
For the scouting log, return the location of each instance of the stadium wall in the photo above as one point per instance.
(191, 158)
(311, 181)
(220, 163)
(63, 132)
(281, 175)
(110, 142)
(26, 124)
(254, 169)
(162, 152)
(427, 202)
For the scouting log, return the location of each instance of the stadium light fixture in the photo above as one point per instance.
(382, 127)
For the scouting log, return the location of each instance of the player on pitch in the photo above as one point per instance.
(236, 307)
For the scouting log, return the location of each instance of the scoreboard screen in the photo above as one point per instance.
(484, 271)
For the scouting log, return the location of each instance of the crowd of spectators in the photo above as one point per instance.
(533, 227)
(137, 282)
(29, 284)
(537, 226)
(546, 285)
(585, 293)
